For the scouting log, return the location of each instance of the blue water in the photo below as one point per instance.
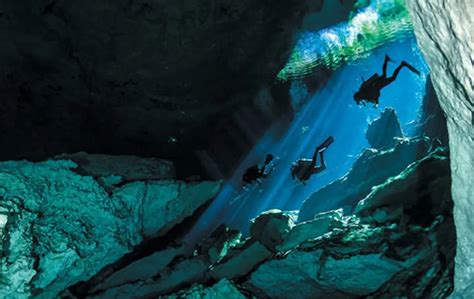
(329, 112)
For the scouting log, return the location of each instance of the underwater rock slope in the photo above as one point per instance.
(59, 227)
(444, 33)
(372, 168)
(399, 243)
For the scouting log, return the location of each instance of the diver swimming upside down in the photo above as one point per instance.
(369, 91)
(303, 169)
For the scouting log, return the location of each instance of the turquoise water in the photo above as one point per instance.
(368, 28)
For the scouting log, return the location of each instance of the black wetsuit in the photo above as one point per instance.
(370, 89)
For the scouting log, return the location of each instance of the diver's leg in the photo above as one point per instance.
(394, 76)
(322, 164)
(396, 72)
(384, 67)
(315, 157)
(321, 148)
(385, 64)
(376, 99)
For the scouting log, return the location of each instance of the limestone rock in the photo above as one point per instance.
(344, 264)
(427, 179)
(183, 273)
(154, 218)
(432, 121)
(222, 289)
(331, 255)
(122, 168)
(140, 269)
(370, 169)
(240, 260)
(383, 131)
(409, 256)
(295, 275)
(321, 224)
(218, 244)
(271, 228)
(444, 35)
(60, 228)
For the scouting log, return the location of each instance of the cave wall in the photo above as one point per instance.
(172, 79)
(444, 32)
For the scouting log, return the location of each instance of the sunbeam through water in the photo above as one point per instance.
(329, 112)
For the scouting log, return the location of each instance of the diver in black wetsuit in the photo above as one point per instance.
(255, 173)
(369, 91)
(303, 169)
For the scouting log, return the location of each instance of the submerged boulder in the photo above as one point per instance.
(241, 260)
(271, 228)
(60, 228)
(179, 275)
(140, 269)
(356, 261)
(382, 133)
(218, 244)
(321, 224)
(199, 268)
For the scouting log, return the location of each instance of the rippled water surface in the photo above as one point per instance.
(381, 22)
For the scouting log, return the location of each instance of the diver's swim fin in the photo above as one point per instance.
(325, 144)
(268, 159)
(411, 68)
(389, 59)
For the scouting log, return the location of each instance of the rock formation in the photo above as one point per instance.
(370, 169)
(383, 131)
(59, 227)
(444, 35)
(399, 243)
(432, 121)
(121, 239)
(222, 289)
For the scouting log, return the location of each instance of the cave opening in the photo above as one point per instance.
(335, 60)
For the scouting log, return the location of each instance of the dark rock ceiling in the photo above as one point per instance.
(170, 79)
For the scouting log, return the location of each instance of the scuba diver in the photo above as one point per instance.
(369, 91)
(255, 173)
(303, 169)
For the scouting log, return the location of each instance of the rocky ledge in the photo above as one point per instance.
(386, 248)
(59, 226)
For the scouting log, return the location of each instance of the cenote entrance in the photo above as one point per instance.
(330, 111)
